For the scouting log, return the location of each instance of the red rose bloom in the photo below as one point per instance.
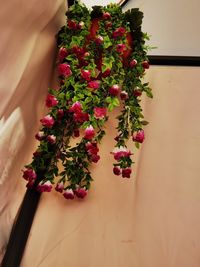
(94, 84)
(126, 173)
(51, 101)
(86, 74)
(100, 113)
(64, 70)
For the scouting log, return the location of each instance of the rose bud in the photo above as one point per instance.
(114, 90)
(138, 136)
(71, 24)
(64, 70)
(89, 132)
(94, 84)
(133, 63)
(116, 170)
(80, 192)
(30, 184)
(99, 40)
(126, 173)
(59, 187)
(51, 101)
(44, 187)
(60, 113)
(48, 121)
(86, 54)
(106, 73)
(145, 64)
(40, 136)
(62, 54)
(137, 93)
(120, 48)
(123, 95)
(36, 154)
(86, 74)
(76, 107)
(29, 174)
(68, 194)
(51, 139)
(76, 133)
(95, 158)
(106, 15)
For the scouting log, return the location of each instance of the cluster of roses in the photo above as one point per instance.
(78, 114)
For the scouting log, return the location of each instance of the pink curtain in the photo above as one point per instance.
(150, 220)
(27, 52)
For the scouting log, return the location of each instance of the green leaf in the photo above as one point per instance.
(144, 122)
(137, 145)
(107, 42)
(107, 63)
(76, 40)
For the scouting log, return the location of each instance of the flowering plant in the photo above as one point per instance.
(101, 62)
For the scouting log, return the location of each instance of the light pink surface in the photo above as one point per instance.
(150, 220)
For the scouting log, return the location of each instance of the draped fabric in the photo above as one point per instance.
(150, 220)
(27, 52)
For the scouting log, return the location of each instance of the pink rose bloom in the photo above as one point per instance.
(51, 139)
(114, 90)
(100, 113)
(106, 15)
(59, 187)
(81, 117)
(48, 121)
(116, 170)
(64, 70)
(71, 24)
(123, 95)
(89, 132)
(44, 187)
(80, 192)
(76, 107)
(62, 54)
(126, 173)
(94, 84)
(86, 74)
(119, 32)
(133, 63)
(68, 194)
(138, 136)
(29, 174)
(40, 136)
(121, 152)
(120, 48)
(51, 101)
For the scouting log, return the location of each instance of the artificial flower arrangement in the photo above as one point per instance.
(101, 62)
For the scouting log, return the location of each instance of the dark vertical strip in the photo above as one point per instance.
(21, 229)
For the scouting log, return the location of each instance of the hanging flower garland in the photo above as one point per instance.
(102, 60)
